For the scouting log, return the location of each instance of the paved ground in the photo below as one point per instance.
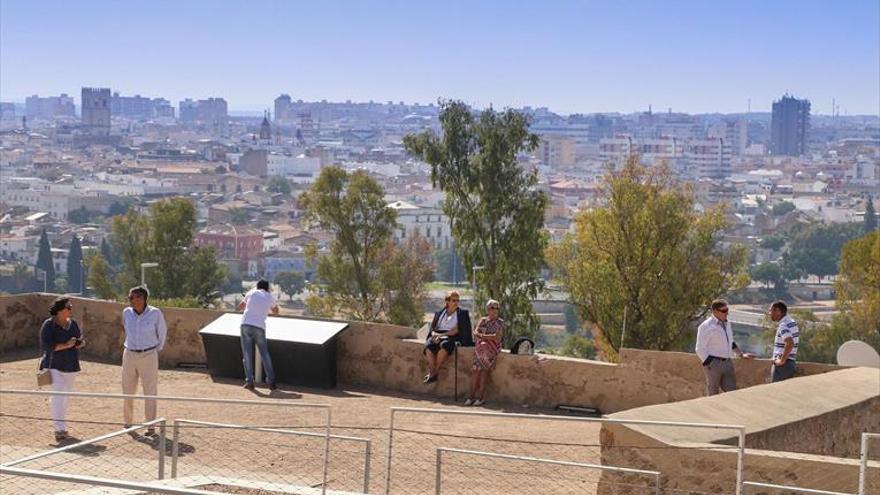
(25, 428)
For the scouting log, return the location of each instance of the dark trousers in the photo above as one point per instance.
(784, 372)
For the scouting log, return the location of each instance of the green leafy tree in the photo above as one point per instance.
(773, 241)
(449, 266)
(107, 252)
(648, 257)
(61, 284)
(119, 208)
(495, 208)
(45, 262)
(205, 275)
(277, 184)
(572, 322)
(173, 227)
(351, 206)
(132, 241)
(769, 274)
(870, 216)
(858, 287)
(238, 216)
(100, 278)
(578, 346)
(165, 236)
(291, 283)
(815, 249)
(782, 208)
(75, 266)
(80, 216)
(232, 283)
(403, 275)
(22, 279)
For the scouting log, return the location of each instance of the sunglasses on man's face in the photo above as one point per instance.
(723, 310)
(493, 307)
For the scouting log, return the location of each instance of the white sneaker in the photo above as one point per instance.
(479, 402)
(469, 402)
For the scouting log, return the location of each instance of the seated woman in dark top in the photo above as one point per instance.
(449, 325)
(60, 339)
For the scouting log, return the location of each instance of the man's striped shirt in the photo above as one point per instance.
(786, 328)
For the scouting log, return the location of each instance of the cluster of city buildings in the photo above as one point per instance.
(68, 166)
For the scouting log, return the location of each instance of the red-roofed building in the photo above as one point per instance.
(232, 241)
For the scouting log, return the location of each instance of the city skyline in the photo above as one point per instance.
(571, 58)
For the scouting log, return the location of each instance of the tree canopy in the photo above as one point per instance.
(291, 283)
(495, 208)
(646, 258)
(815, 249)
(165, 236)
(870, 216)
(75, 266)
(277, 184)
(45, 263)
(354, 272)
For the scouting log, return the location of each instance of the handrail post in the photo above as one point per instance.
(367, 466)
(740, 453)
(388, 463)
(175, 447)
(438, 471)
(162, 450)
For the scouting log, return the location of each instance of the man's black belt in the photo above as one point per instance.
(711, 358)
(142, 350)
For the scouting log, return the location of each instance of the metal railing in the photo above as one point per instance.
(9, 469)
(809, 491)
(441, 450)
(91, 441)
(175, 441)
(740, 447)
(863, 464)
(108, 482)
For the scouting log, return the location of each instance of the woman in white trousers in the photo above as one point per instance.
(61, 340)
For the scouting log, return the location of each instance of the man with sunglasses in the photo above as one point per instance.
(715, 348)
(145, 333)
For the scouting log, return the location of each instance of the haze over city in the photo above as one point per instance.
(572, 57)
(336, 244)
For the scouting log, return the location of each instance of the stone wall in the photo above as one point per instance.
(101, 324)
(708, 469)
(388, 356)
(792, 430)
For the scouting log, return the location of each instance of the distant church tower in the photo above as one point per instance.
(265, 129)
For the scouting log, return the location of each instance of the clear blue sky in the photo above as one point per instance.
(585, 56)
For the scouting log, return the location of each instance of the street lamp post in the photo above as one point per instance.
(82, 277)
(144, 267)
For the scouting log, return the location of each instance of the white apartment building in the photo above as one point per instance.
(617, 150)
(735, 133)
(19, 248)
(696, 158)
(429, 223)
(557, 151)
(709, 158)
(864, 172)
(297, 165)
